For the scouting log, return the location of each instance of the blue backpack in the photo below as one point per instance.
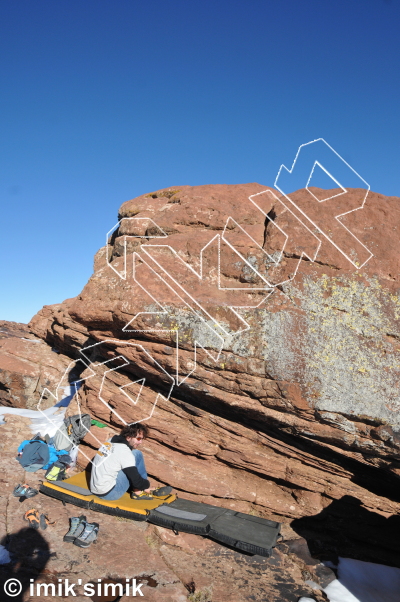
(35, 454)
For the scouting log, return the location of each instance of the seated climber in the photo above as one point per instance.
(119, 465)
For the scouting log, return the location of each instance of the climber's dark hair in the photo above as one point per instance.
(133, 430)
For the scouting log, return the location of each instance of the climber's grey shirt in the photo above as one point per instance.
(113, 456)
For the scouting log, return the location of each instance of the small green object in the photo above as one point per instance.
(97, 423)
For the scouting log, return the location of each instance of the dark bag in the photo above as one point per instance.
(58, 470)
(72, 431)
(35, 455)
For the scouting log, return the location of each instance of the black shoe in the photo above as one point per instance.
(24, 491)
(162, 491)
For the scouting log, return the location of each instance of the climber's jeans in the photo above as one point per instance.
(122, 483)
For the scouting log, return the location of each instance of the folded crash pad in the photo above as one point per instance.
(187, 516)
(75, 490)
(241, 531)
(244, 532)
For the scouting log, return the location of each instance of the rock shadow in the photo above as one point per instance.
(345, 528)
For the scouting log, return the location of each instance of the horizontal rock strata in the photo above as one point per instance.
(290, 402)
(27, 367)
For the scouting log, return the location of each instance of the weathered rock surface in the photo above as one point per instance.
(27, 366)
(172, 568)
(320, 357)
(289, 408)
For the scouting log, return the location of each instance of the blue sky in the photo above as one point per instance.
(102, 101)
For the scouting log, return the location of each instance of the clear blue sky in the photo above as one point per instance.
(101, 101)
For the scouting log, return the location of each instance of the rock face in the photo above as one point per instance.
(27, 367)
(265, 348)
(172, 568)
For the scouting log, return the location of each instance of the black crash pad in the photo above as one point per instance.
(242, 531)
(245, 532)
(186, 516)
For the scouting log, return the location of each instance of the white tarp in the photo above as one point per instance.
(45, 422)
(363, 582)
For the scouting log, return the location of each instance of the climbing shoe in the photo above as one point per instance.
(88, 535)
(24, 491)
(44, 521)
(162, 491)
(141, 496)
(32, 516)
(19, 489)
(77, 525)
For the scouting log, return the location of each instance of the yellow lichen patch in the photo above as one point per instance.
(349, 344)
(131, 212)
(167, 194)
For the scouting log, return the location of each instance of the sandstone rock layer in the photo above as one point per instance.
(264, 348)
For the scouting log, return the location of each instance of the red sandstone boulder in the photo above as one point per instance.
(290, 401)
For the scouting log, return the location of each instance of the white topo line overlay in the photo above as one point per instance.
(282, 180)
(140, 223)
(146, 228)
(188, 300)
(97, 369)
